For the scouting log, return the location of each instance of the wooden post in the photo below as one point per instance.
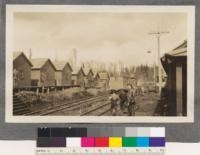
(42, 89)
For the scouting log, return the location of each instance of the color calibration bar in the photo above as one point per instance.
(132, 141)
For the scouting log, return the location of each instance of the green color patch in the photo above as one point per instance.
(129, 141)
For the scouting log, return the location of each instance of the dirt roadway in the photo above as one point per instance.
(147, 104)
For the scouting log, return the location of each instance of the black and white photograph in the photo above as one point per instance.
(99, 63)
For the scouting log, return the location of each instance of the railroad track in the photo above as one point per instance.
(56, 106)
(101, 110)
(96, 106)
(98, 111)
(67, 106)
(81, 109)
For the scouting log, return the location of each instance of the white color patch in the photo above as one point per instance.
(73, 142)
(157, 132)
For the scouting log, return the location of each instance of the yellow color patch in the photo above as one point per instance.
(115, 142)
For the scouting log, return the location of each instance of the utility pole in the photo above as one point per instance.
(55, 55)
(158, 35)
(154, 70)
(30, 53)
(154, 73)
(75, 57)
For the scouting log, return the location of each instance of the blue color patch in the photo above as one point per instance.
(142, 141)
(157, 142)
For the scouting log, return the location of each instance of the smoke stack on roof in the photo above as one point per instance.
(30, 54)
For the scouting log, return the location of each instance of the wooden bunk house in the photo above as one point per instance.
(175, 65)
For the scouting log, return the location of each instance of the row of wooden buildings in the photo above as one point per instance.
(44, 72)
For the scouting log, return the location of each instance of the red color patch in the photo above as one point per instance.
(101, 142)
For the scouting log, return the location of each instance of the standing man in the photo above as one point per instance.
(131, 100)
(123, 99)
(114, 99)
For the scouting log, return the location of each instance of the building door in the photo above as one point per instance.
(179, 90)
(34, 82)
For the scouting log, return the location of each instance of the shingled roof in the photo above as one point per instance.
(38, 63)
(76, 70)
(181, 50)
(87, 70)
(103, 75)
(17, 54)
(178, 52)
(61, 64)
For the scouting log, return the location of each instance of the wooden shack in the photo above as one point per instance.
(89, 77)
(42, 72)
(78, 77)
(175, 65)
(103, 80)
(63, 74)
(21, 70)
(129, 80)
(96, 76)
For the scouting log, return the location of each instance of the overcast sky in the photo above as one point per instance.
(105, 37)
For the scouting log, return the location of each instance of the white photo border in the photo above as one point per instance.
(10, 9)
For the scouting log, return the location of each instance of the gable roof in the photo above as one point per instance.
(103, 75)
(178, 52)
(76, 70)
(183, 45)
(61, 64)
(181, 50)
(87, 71)
(18, 54)
(38, 63)
(130, 76)
(95, 74)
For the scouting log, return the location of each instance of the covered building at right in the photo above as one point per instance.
(174, 94)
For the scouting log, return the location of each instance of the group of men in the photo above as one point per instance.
(123, 101)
